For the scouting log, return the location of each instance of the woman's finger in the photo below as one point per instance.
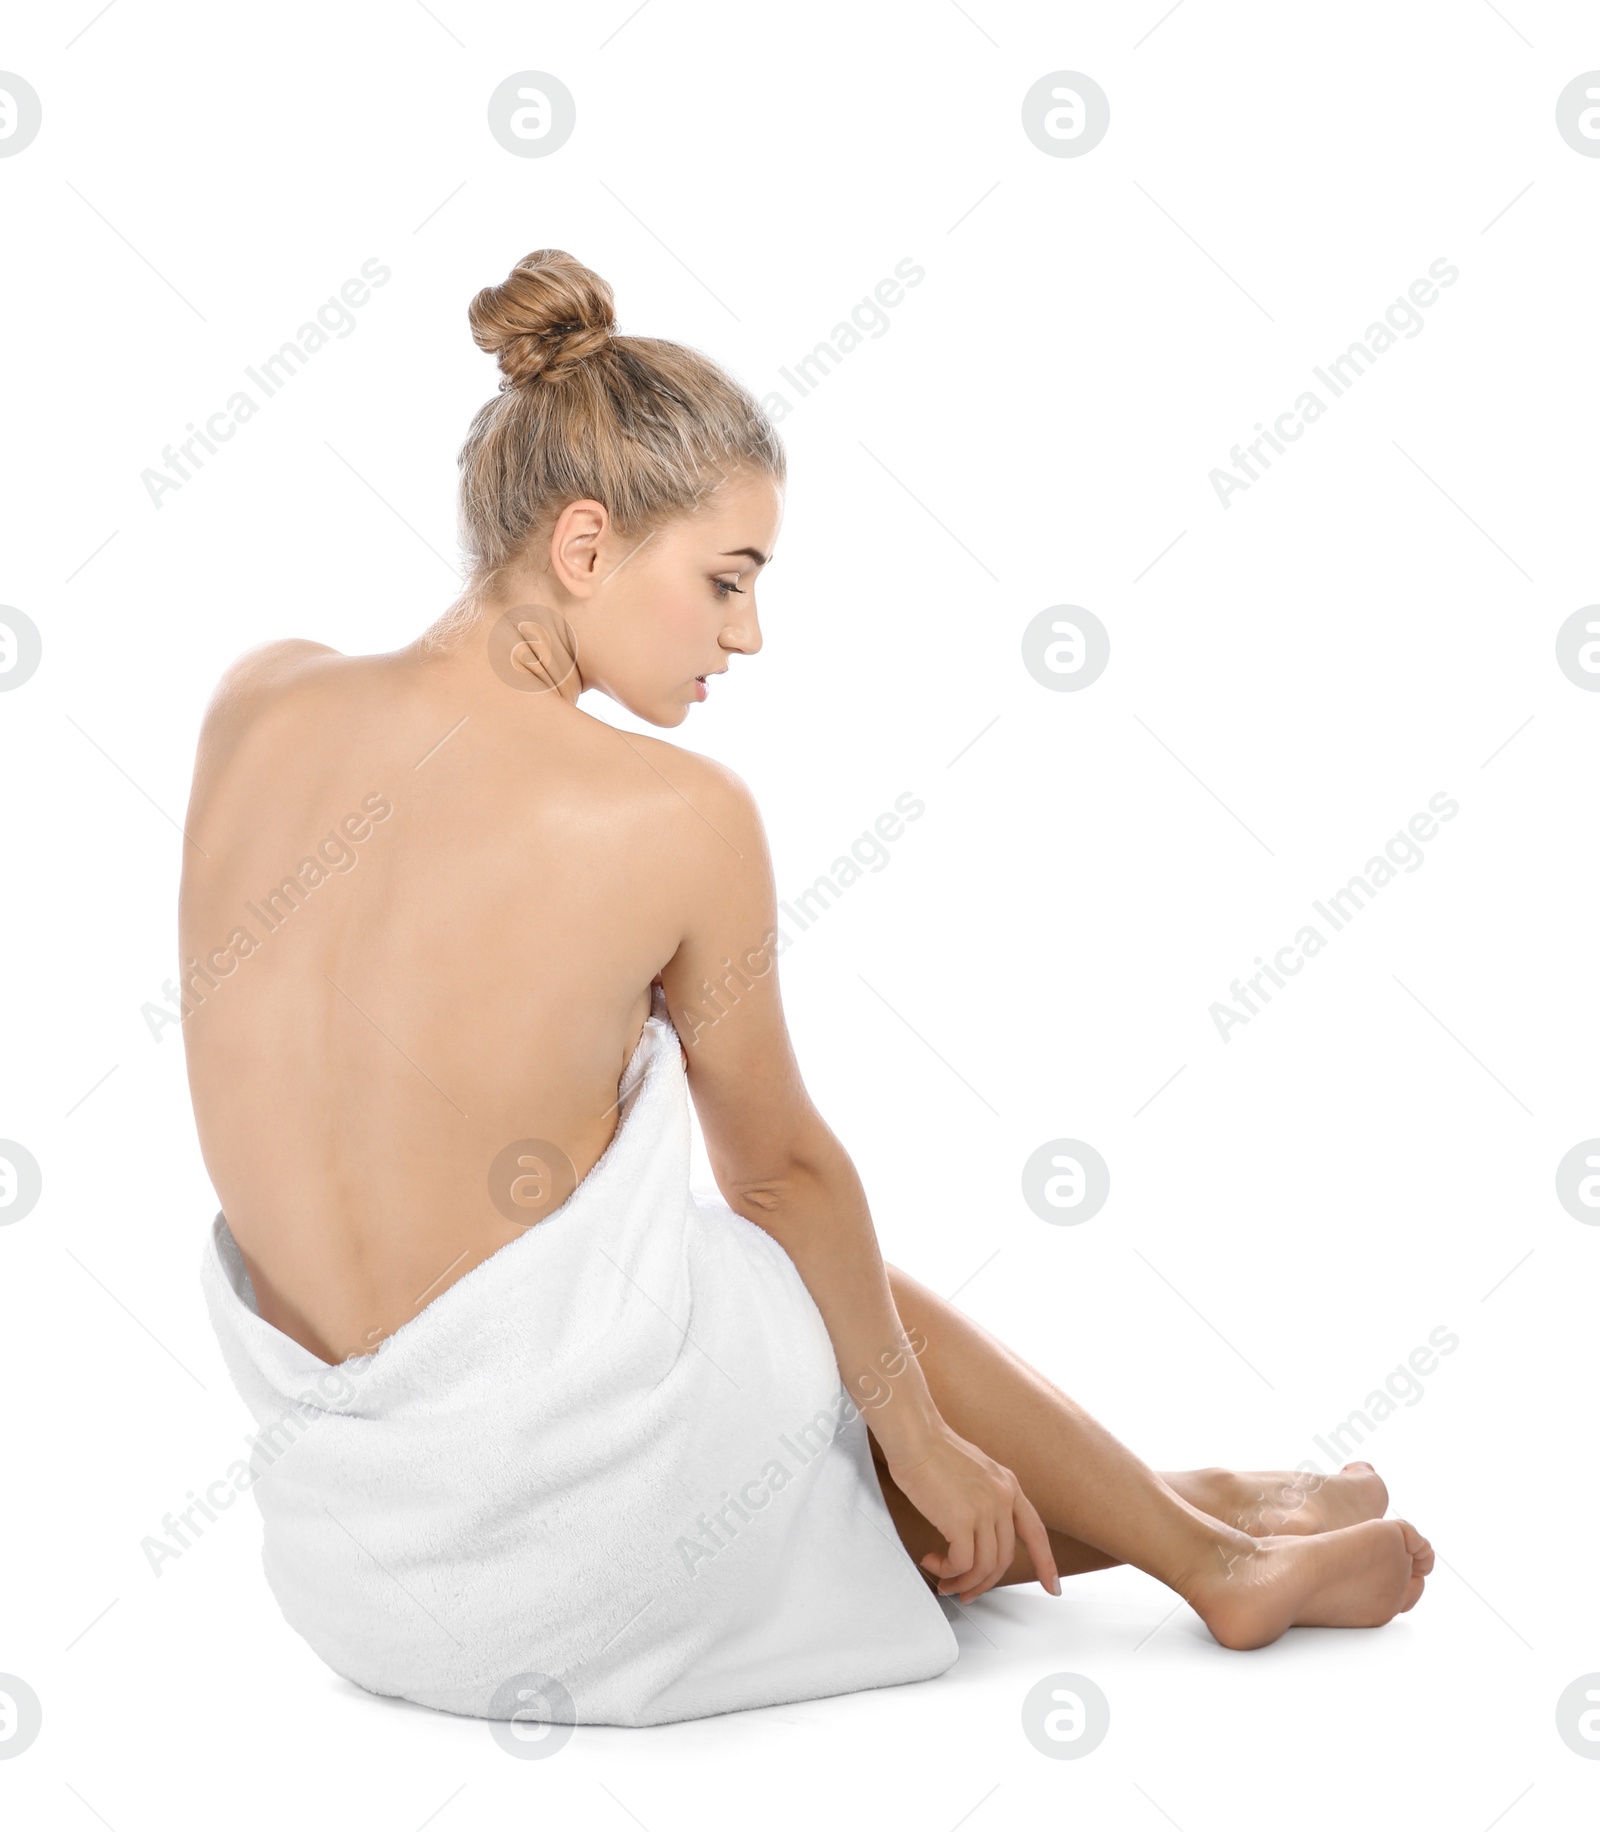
(958, 1559)
(956, 1578)
(1005, 1539)
(1032, 1531)
(982, 1574)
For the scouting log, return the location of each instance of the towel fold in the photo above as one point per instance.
(612, 1467)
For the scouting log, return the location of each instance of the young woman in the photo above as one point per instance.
(435, 913)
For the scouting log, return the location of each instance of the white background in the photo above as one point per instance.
(1371, 623)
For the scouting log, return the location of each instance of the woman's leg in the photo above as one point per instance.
(1103, 1506)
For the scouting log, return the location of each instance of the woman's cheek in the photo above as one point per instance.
(678, 638)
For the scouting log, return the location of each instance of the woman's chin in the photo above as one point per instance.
(665, 713)
(658, 710)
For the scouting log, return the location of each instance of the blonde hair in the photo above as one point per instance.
(647, 427)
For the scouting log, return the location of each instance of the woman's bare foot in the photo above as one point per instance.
(1277, 1501)
(1348, 1577)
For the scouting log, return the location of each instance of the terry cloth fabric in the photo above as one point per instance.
(613, 1468)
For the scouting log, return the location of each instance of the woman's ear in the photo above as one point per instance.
(575, 546)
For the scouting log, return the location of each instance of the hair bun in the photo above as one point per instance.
(545, 317)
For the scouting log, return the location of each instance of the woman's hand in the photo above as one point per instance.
(979, 1508)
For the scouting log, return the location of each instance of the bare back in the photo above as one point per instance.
(417, 928)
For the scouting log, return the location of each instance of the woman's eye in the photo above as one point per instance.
(724, 586)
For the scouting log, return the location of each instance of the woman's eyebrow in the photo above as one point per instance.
(734, 553)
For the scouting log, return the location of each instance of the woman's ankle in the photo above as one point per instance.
(1208, 1563)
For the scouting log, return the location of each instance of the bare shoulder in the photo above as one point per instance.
(264, 667)
(259, 674)
(705, 795)
(255, 692)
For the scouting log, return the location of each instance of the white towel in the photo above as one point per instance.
(613, 1465)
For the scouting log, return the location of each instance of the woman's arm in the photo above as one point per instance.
(777, 1163)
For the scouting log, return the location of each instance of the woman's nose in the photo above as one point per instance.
(745, 635)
